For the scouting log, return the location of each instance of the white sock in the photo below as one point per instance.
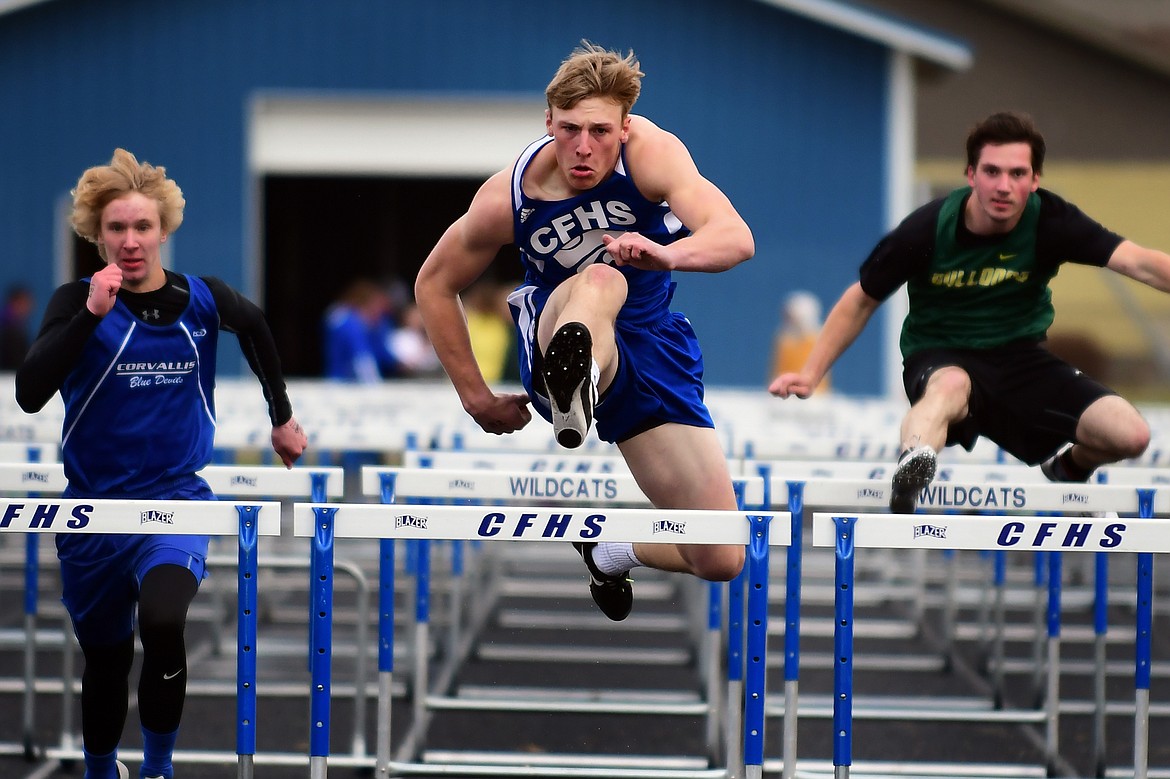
(615, 557)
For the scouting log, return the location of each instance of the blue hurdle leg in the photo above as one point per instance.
(31, 593)
(1000, 623)
(385, 635)
(1142, 647)
(757, 647)
(735, 649)
(713, 672)
(843, 647)
(1052, 696)
(1142, 656)
(792, 600)
(1100, 628)
(385, 654)
(1039, 574)
(322, 649)
(246, 642)
(31, 583)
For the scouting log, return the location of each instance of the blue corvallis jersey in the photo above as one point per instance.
(139, 409)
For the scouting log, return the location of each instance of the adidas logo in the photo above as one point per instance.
(525, 213)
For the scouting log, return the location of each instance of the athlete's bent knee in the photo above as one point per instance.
(949, 381)
(600, 275)
(1134, 442)
(718, 564)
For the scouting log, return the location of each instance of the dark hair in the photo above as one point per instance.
(1006, 127)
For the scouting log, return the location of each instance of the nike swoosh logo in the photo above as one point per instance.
(168, 677)
(1003, 257)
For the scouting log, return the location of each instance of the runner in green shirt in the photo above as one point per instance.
(977, 264)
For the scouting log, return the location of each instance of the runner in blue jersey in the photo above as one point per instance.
(132, 352)
(977, 264)
(602, 209)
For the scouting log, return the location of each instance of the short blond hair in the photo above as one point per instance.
(593, 71)
(101, 184)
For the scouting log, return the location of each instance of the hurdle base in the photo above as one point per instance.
(583, 765)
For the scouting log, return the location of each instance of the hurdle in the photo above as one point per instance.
(787, 480)
(1000, 532)
(430, 521)
(798, 496)
(803, 495)
(245, 521)
(238, 482)
(316, 483)
(32, 477)
(503, 486)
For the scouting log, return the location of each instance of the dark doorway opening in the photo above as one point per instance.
(323, 232)
(86, 260)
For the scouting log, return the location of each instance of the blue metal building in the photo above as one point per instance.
(800, 110)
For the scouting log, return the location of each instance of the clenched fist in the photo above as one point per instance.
(103, 287)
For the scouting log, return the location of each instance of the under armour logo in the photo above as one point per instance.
(149, 314)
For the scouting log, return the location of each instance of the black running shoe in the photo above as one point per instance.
(915, 470)
(569, 382)
(614, 595)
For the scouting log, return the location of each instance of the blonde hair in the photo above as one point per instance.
(593, 71)
(101, 184)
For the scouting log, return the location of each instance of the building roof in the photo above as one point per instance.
(8, 6)
(1136, 30)
(886, 30)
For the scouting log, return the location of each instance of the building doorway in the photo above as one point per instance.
(324, 232)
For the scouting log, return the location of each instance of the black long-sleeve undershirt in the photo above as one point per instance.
(68, 324)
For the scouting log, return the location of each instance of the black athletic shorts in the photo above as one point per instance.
(1023, 397)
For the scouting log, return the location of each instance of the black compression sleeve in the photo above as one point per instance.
(241, 316)
(67, 325)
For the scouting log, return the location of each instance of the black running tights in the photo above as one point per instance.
(163, 600)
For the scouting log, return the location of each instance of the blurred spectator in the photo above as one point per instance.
(357, 333)
(489, 323)
(14, 326)
(411, 346)
(800, 323)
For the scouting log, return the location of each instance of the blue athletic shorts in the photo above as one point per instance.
(101, 572)
(659, 377)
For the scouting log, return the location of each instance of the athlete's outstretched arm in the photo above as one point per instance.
(1149, 266)
(239, 315)
(66, 327)
(460, 257)
(845, 322)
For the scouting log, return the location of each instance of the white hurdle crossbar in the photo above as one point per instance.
(1004, 532)
(557, 462)
(558, 523)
